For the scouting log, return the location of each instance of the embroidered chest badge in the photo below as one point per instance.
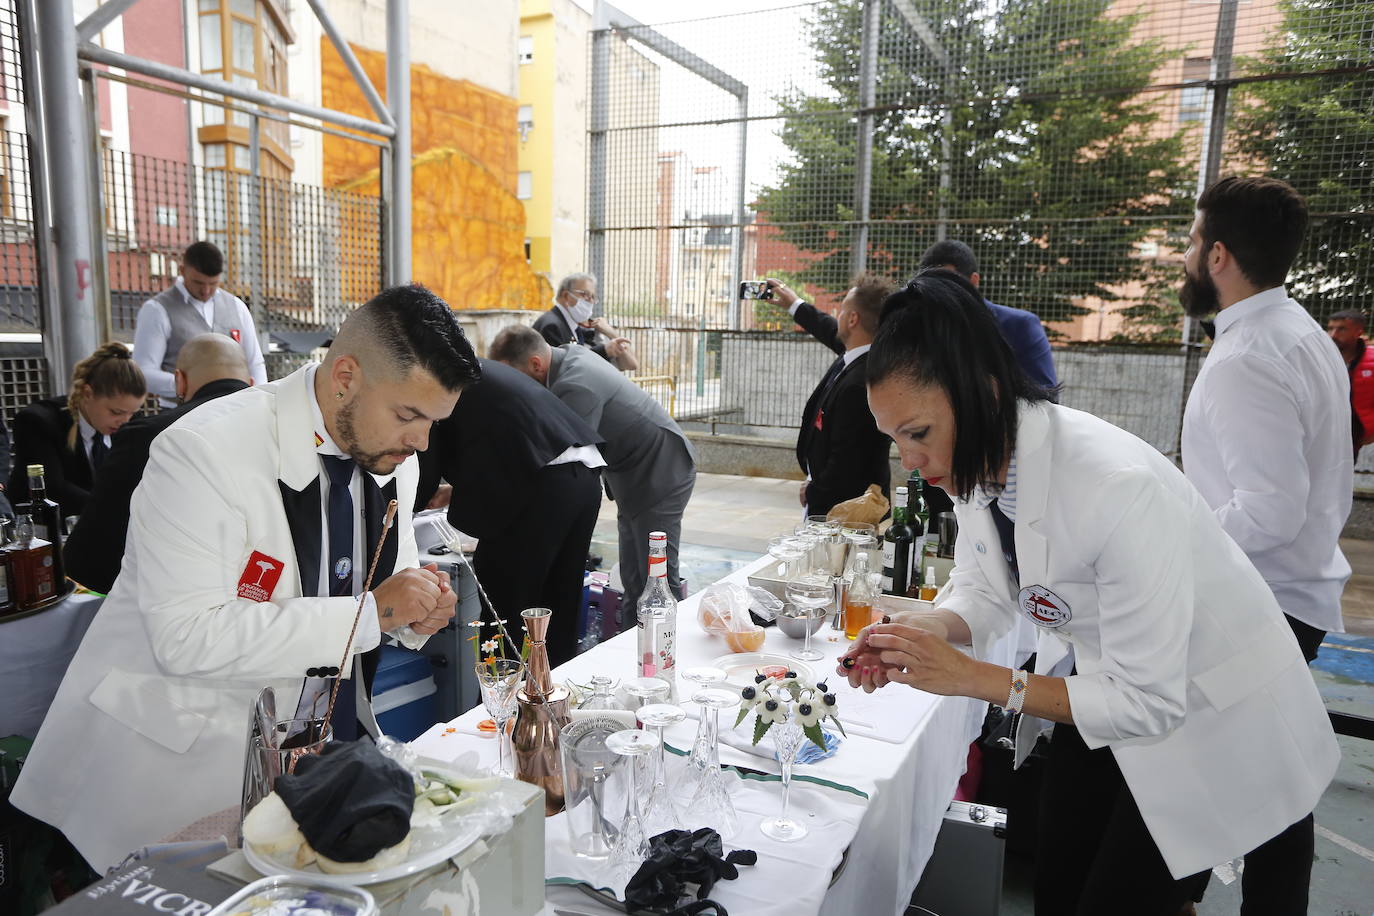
(1044, 607)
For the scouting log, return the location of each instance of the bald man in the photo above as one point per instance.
(209, 366)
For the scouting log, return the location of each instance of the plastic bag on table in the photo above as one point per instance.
(724, 611)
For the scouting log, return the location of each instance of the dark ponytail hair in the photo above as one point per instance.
(938, 331)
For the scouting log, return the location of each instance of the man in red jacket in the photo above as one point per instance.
(1347, 330)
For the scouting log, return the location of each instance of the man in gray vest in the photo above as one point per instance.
(650, 465)
(194, 305)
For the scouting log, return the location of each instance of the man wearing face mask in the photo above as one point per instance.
(192, 306)
(570, 321)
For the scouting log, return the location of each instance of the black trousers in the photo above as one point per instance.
(1309, 637)
(1094, 854)
(540, 558)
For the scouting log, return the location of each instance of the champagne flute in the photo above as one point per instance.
(499, 679)
(787, 738)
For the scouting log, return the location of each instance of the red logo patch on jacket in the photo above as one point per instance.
(259, 579)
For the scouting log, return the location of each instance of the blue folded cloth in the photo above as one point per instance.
(809, 753)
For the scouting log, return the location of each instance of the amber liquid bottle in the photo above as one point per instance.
(33, 567)
(47, 521)
(6, 568)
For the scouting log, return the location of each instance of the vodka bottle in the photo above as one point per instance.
(657, 613)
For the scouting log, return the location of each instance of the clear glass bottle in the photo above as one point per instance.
(601, 697)
(859, 598)
(657, 614)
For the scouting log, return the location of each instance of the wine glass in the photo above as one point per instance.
(661, 814)
(701, 676)
(810, 587)
(632, 842)
(710, 804)
(499, 679)
(787, 738)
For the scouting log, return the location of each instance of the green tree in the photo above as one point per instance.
(1056, 170)
(1315, 129)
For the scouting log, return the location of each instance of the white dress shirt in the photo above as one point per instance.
(1266, 440)
(152, 328)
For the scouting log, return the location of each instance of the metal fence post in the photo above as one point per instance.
(100, 247)
(1209, 168)
(398, 100)
(69, 322)
(596, 143)
(863, 145)
(46, 303)
(258, 304)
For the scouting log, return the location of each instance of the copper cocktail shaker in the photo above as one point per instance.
(542, 711)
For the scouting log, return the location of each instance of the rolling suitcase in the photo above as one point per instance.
(964, 874)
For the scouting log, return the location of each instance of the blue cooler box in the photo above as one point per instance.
(403, 693)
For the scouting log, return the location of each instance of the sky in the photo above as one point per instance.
(762, 43)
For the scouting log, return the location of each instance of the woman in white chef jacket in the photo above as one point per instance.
(1190, 729)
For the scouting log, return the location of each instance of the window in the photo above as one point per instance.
(167, 216)
(524, 186)
(1192, 100)
(525, 121)
(524, 49)
(527, 251)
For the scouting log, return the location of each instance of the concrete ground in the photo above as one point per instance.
(730, 519)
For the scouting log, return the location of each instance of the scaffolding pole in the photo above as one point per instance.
(69, 328)
(398, 100)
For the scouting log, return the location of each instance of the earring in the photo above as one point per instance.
(338, 395)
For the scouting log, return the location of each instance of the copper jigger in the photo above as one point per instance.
(542, 711)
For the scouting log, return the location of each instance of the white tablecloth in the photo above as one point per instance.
(889, 835)
(34, 654)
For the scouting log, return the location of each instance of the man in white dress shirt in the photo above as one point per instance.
(192, 306)
(1266, 434)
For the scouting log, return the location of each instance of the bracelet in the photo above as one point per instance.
(1016, 697)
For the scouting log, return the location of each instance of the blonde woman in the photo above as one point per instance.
(70, 435)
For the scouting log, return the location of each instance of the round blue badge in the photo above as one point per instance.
(343, 567)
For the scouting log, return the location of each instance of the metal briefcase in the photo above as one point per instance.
(964, 874)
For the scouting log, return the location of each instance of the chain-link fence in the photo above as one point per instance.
(1063, 140)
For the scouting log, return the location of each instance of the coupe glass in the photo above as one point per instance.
(661, 813)
(787, 738)
(786, 549)
(647, 690)
(810, 587)
(499, 679)
(632, 842)
(710, 804)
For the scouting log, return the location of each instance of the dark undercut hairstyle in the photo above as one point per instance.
(204, 257)
(1261, 221)
(950, 253)
(1353, 316)
(870, 292)
(938, 331)
(411, 328)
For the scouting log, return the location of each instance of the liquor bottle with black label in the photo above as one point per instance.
(47, 520)
(897, 541)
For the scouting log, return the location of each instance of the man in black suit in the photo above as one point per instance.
(570, 321)
(839, 446)
(209, 366)
(526, 477)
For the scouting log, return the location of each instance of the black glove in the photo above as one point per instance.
(677, 860)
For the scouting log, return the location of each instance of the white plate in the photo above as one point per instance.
(429, 845)
(742, 666)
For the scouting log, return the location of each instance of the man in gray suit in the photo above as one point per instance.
(650, 465)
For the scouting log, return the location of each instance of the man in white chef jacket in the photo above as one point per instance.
(249, 540)
(1266, 437)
